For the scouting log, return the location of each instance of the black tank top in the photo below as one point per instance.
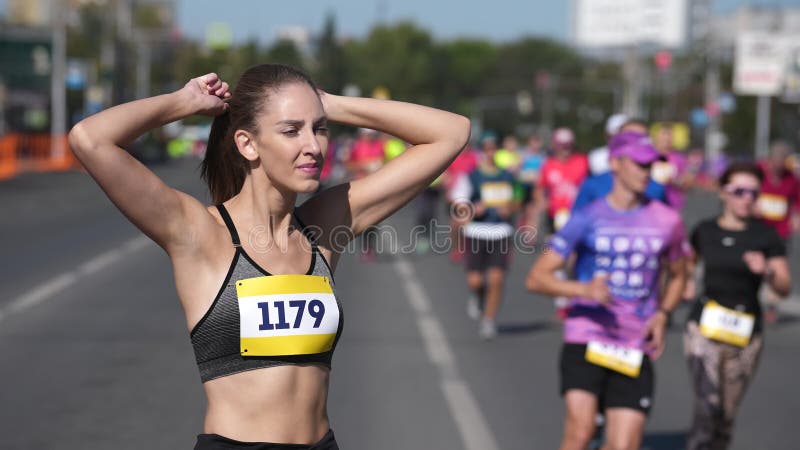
(282, 325)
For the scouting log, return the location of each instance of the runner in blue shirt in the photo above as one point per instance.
(599, 185)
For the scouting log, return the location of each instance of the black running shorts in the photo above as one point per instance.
(613, 389)
(217, 442)
(482, 254)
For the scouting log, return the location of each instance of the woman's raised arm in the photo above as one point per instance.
(161, 212)
(436, 138)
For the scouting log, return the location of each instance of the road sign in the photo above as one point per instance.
(761, 62)
(616, 23)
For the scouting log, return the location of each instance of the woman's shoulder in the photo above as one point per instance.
(707, 225)
(704, 228)
(758, 228)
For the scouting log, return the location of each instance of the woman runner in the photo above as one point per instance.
(253, 273)
(723, 337)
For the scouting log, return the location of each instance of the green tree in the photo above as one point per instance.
(462, 69)
(285, 51)
(331, 71)
(398, 57)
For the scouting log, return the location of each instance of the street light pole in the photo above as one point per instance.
(58, 93)
(631, 102)
(712, 95)
(762, 125)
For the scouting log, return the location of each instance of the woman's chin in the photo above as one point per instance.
(308, 186)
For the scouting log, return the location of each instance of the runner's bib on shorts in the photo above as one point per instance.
(627, 361)
(726, 325)
(496, 193)
(772, 207)
(286, 315)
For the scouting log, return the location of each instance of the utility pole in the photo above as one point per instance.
(58, 90)
(143, 64)
(712, 93)
(108, 56)
(704, 37)
(631, 100)
(764, 104)
(762, 125)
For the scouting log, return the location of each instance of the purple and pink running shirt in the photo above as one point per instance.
(629, 248)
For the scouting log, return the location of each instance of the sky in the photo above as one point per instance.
(497, 20)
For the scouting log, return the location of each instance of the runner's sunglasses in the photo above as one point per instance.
(742, 191)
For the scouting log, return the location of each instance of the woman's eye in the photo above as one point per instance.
(322, 130)
(290, 132)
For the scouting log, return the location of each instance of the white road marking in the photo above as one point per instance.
(472, 425)
(47, 290)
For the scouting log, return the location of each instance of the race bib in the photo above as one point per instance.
(627, 361)
(496, 193)
(528, 175)
(726, 325)
(663, 172)
(772, 207)
(286, 315)
(560, 219)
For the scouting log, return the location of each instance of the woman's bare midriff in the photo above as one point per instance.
(284, 404)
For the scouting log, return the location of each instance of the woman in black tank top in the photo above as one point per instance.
(724, 334)
(253, 273)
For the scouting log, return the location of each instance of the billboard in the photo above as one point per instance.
(617, 23)
(767, 64)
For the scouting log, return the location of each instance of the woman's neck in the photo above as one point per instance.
(729, 221)
(261, 204)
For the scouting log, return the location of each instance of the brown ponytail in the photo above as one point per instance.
(224, 169)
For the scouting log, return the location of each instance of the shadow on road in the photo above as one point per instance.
(524, 327)
(666, 440)
(787, 319)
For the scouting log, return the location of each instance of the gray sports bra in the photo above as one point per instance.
(262, 320)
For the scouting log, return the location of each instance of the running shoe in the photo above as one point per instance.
(473, 307)
(487, 329)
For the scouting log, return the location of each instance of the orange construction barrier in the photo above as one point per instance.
(33, 153)
(8, 156)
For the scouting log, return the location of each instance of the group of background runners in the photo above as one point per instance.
(619, 261)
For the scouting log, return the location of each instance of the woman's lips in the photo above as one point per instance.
(310, 168)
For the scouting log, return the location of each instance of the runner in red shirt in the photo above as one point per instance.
(560, 180)
(778, 205)
(779, 202)
(367, 153)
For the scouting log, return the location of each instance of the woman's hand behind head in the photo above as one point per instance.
(207, 94)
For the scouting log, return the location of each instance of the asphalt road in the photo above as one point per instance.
(95, 353)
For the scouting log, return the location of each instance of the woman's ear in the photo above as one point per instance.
(246, 144)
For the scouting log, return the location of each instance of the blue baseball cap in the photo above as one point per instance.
(636, 146)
